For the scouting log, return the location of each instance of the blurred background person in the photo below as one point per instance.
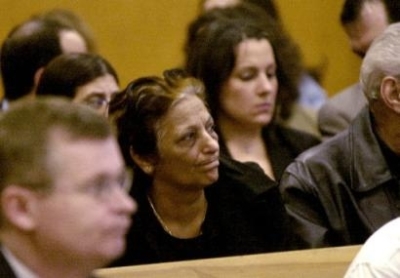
(64, 206)
(74, 21)
(28, 48)
(83, 77)
(363, 21)
(243, 61)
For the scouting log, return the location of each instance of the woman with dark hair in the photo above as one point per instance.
(304, 100)
(85, 78)
(249, 75)
(193, 203)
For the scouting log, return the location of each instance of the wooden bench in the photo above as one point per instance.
(324, 262)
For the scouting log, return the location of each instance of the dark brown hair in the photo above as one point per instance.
(210, 51)
(65, 73)
(140, 107)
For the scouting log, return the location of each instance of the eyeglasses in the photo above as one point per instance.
(102, 188)
(97, 102)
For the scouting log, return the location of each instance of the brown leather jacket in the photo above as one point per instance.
(340, 192)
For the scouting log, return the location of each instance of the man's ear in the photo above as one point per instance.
(38, 75)
(36, 79)
(390, 93)
(18, 204)
(144, 163)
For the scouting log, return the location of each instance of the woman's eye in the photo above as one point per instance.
(95, 102)
(188, 136)
(271, 74)
(211, 128)
(214, 134)
(98, 188)
(246, 75)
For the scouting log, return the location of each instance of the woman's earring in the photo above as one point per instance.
(148, 169)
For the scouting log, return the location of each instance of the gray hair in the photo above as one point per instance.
(382, 59)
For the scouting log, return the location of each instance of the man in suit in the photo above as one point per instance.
(342, 191)
(363, 21)
(64, 207)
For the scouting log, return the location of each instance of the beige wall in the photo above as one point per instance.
(142, 37)
(315, 25)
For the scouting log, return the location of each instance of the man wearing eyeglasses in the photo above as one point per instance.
(65, 210)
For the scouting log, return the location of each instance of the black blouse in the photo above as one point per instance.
(245, 216)
(283, 144)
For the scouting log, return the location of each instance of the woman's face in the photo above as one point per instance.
(188, 146)
(97, 94)
(248, 95)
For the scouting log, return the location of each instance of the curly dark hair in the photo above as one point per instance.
(210, 51)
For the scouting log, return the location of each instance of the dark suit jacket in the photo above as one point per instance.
(5, 268)
(7, 272)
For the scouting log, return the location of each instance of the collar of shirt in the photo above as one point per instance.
(392, 159)
(20, 269)
(3, 104)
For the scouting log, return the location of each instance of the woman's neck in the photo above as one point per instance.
(182, 213)
(237, 131)
(245, 143)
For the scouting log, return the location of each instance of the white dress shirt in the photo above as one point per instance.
(19, 268)
(380, 255)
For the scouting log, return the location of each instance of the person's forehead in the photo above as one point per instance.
(186, 111)
(251, 50)
(104, 86)
(101, 83)
(81, 157)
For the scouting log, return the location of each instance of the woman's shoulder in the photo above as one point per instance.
(246, 178)
(247, 196)
(293, 137)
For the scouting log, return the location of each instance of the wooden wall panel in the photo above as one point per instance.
(142, 37)
(315, 25)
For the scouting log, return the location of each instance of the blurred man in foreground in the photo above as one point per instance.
(64, 209)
